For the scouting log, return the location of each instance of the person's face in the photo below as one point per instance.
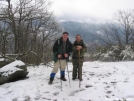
(78, 38)
(64, 36)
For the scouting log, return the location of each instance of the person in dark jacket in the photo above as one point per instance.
(79, 48)
(62, 49)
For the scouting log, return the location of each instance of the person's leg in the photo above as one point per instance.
(75, 69)
(80, 69)
(54, 71)
(63, 66)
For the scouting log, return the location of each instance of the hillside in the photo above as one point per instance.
(88, 31)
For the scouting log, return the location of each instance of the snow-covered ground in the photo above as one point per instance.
(102, 81)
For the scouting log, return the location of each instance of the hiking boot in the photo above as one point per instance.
(63, 78)
(51, 80)
(73, 78)
(81, 79)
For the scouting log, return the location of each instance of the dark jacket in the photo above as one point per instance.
(82, 51)
(58, 49)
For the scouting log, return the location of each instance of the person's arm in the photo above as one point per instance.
(83, 49)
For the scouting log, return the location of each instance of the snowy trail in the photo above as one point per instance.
(102, 81)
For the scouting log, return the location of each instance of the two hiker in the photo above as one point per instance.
(62, 49)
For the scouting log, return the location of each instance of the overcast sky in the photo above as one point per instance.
(89, 10)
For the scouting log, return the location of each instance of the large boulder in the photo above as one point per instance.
(14, 71)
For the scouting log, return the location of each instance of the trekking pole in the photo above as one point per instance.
(60, 74)
(79, 69)
(68, 72)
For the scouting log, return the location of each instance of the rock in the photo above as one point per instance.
(14, 71)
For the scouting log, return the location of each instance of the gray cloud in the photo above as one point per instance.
(89, 10)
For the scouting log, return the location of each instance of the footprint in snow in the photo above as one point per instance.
(27, 98)
(105, 83)
(57, 86)
(87, 86)
(88, 79)
(126, 81)
(47, 92)
(15, 99)
(55, 100)
(84, 100)
(114, 82)
(38, 96)
(74, 92)
(55, 93)
(107, 96)
(95, 67)
(109, 92)
(46, 98)
(108, 86)
(91, 74)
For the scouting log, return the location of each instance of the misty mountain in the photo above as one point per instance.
(87, 31)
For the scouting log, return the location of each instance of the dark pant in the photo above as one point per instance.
(77, 68)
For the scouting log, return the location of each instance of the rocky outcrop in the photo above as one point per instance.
(16, 70)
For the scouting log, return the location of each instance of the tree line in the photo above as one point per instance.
(119, 30)
(118, 36)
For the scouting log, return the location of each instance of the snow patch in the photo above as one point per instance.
(11, 68)
(1, 59)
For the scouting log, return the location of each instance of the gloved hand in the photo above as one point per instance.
(65, 55)
(59, 56)
(78, 47)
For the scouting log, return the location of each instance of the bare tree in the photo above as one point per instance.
(111, 34)
(125, 19)
(120, 30)
(31, 26)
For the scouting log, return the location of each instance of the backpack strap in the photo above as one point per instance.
(58, 41)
